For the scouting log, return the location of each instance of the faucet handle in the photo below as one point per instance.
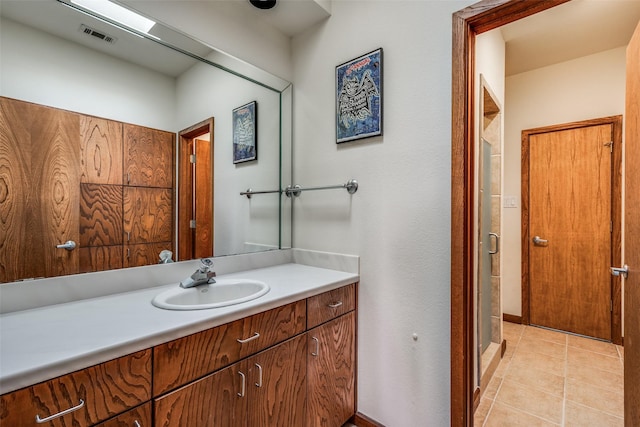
(207, 263)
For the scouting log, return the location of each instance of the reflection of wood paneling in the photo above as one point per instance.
(100, 150)
(15, 162)
(147, 214)
(45, 154)
(144, 254)
(39, 189)
(100, 258)
(148, 157)
(100, 215)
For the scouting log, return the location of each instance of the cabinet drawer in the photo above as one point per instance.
(85, 397)
(183, 360)
(330, 305)
(136, 417)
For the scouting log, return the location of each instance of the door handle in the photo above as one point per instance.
(617, 271)
(540, 242)
(68, 245)
(497, 243)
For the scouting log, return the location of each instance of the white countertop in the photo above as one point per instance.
(46, 342)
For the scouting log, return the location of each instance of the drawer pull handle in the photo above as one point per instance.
(259, 383)
(242, 390)
(335, 304)
(136, 423)
(59, 414)
(315, 353)
(256, 335)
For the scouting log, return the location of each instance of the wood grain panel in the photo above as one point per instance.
(100, 150)
(570, 206)
(177, 362)
(330, 305)
(101, 215)
(144, 254)
(141, 415)
(100, 258)
(331, 397)
(211, 401)
(39, 175)
(148, 215)
(632, 235)
(15, 190)
(148, 157)
(56, 172)
(277, 385)
(107, 390)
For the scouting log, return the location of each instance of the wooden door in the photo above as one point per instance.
(570, 229)
(331, 372)
(203, 200)
(632, 236)
(39, 190)
(196, 191)
(277, 385)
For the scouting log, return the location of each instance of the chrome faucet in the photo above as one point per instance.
(201, 276)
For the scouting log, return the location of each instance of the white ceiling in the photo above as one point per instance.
(571, 30)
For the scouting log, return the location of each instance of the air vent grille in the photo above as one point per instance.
(97, 34)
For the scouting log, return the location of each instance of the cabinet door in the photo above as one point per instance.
(136, 417)
(331, 372)
(148, 215)
(82, 398)
(148, 157)
(277, 385)
(216, 400)
(39, 189)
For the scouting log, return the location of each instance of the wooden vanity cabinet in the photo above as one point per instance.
(97, 394)
(331, 357)
(177, 362)
(268, 389)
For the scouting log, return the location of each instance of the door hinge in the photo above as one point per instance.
(192, 223)
(610, 145)
(192, 158)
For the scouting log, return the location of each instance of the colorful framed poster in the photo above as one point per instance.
(245, 133)
(359, 97)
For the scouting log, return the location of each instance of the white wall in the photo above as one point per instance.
(399, 220)
(581, 89)
(47, 70)
(204, 91)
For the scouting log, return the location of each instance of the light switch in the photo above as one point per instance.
(510, 202)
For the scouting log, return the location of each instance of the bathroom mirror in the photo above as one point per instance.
(57, 56)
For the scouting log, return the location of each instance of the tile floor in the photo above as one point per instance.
(547, 378)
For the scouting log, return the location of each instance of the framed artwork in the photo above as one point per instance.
(245, 133)
(359, 97)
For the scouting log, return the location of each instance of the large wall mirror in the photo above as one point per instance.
(59, 58)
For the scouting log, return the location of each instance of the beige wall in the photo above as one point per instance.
(584, 88)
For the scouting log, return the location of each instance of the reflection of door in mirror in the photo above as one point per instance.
(195, 204)
(105, 185)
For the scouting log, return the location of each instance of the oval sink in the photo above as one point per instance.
(220, 294)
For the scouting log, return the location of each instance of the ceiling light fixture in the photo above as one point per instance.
(117, 13)
(263, 4)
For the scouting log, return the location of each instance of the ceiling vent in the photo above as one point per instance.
(97, 34)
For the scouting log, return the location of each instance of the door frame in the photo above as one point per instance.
(185, 187)
(466, 24)
(616, 216)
